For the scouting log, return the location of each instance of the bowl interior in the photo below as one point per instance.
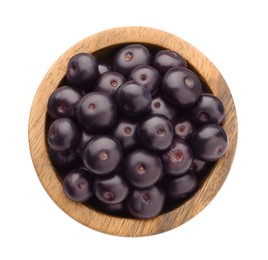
(103, 45)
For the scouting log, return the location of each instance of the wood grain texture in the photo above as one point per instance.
(123, 226)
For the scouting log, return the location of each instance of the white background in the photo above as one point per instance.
(232, 34)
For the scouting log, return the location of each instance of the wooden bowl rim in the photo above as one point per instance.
(98, 220)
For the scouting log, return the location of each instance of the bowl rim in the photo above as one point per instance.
(99, 220)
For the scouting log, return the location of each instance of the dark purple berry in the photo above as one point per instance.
(147, 76)
(129, 57)
(96, 111)
(160, 106)
(62, 102)
(181, 87)
(132, 99)
(102, 154)
(179, 188)
(156, 133)
(142, 168)
(178, 159)
(207, 110)
(77, 185)
(209, 142)
(82, 70)
(167, 59)
(146, 203)
(109, 82)
(183, 128)
(125, 131)
(63, 134)
(110, 190)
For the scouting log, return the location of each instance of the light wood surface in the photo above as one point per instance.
(95, 219)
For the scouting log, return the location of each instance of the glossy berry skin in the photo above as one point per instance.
(96, 112)
(209, 142)
(177, 160)
(183, 128)
(63, 134)
(156, 133)
(129, 57)
(142, 168)
(132, 99)
(160, 106)
(102, 155)
(109, 82)
(77, 185)
(82, 70)
(147, 76)
(125, 131)
(207, 110)
(62, 102)
(167, 59)
(181, 87)
(111, 190)
(179, 188)
(146, 203)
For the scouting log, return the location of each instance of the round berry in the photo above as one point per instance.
(77, 185)
(132, 99)
(156, 133)
(177, 160)
(207, 110)
(181, 87)
(142, 168)
(102, 155)
(82, 70)
(147, 76)
(96, 111)
(63, 134)
(109, 82)
(62, 102)
(129, 57)
(146, 203)
(167, 59)
(110, 190)
(209, 142)
(125, 131)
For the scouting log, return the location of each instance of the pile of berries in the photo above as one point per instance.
(136, 135)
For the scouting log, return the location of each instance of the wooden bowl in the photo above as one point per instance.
(101, 44)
